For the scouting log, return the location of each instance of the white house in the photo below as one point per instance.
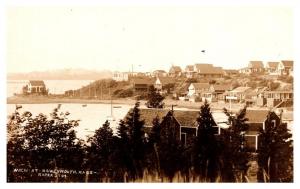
(36, 86)
(285, 67)
(196, 89)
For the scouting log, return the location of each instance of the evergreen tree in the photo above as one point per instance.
(154, 99)
(101, 150)
(235, 156)
(170, 147)
(136, 140)
(206, 150)
(275, 153)
(153, 165)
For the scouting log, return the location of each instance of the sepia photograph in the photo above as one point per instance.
(135, 93)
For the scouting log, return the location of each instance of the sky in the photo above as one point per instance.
(145, 38)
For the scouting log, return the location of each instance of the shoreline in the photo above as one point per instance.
(168, 102)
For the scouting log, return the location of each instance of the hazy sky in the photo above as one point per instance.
(149, 38)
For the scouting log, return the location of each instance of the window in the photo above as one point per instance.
(183, 138)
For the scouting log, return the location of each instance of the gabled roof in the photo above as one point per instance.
(240, 89)
(37, 83)
(272, 64)
(208, 69)
(174, 69)
(287, 63)
(186, 118)
(200, 86)
(149, 114)
(256, 64)
(256, 116)
(189, 68)
(166, 80)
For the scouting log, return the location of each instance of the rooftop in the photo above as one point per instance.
(256, 64)
(199, 86)
(272, 64)
(287, 63)
(37, 83)
(240, 89)
(256, 116)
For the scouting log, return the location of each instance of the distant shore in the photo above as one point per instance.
(168, 102)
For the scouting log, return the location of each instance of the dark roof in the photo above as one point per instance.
(272, 64)
(208, 69)
(148, 81)
(149, 114)
(37, 83)
(184, 117)
(174, 69)
(189, 68)
(256, 116)
(199, 86)
(256, 64)
(287, 63)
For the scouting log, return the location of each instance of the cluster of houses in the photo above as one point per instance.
(175, 82)
(284, 67)
(185, 123)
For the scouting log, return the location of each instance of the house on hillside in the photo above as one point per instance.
(216, 92)
(271, 68)
(208, 71)
(159, 73)
(189, 71)
(275, 98)
(257, 120)
(240, 93)
(141, 84)
(35, 87)
(256, 67)
(175, 71)
(285, 67)
(164, 84)
(196, 90)
(126, 76)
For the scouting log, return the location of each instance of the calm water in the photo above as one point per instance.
(54, 86)
(92, 116)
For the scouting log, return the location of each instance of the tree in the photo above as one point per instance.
(235, 156)
(100, 150)
(169, 146)
(136, 140)
(206, 150)
(46, 144)
(275, 153)
(154, 99)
